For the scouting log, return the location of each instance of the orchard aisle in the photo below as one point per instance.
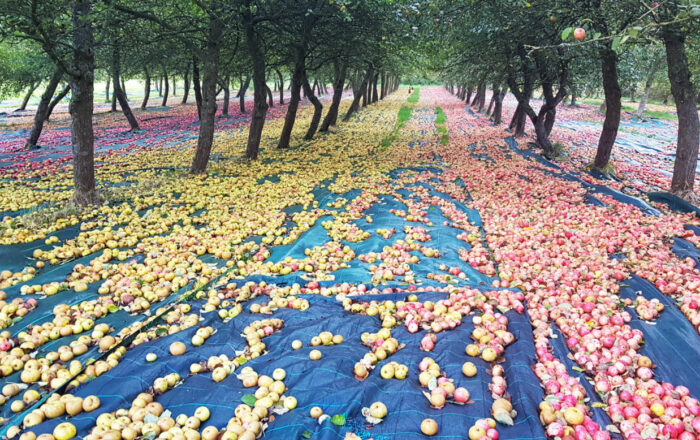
(409, 267)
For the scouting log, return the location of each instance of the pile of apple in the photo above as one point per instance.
(442, 389)
(381, 345)
(13, 310)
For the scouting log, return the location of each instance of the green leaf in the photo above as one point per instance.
(579, 369)
(112, 308)
(306, 434)
(338, 419)
(566, 33)
(249, 399)
(597, 35)
(615, 43)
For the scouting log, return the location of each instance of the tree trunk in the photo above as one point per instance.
(146, 88)
(207, 119)
(482, 98)
(56, 100)
(270, 99)
(279, 74)
(160, 87)
(114, 98)
(613, 106)
(318, 110)
(360, 92)
(653, 68)
(257, 122)
(81, 106)
(296, 83)
(43, 109)
(365, 91)
(186, 86)
(107, 83)
(174, 86)
(241, 93)
(119, 92)
(492, 101)
(227, 96)
(686, 99)
(28, 96)
(166, 90)
(498, 107)
(332, 115)
(375, 95)
(383, 87)
(123, 88)
(197, 85)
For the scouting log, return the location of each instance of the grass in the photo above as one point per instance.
(440, 121)
(119, 194)
(43, 216)
(660, 115)
(404, 114)
(414, 96)
(441, 118)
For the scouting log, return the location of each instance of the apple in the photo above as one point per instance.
(91, 403)
(297, 344)
(315, 355)
(461, 395)
(316, 412)
(378, 410)
(429, 427)
(64, 431)
(579, 33)
(151, 357)
(387, 371)
(400, 372)
(290, 402)
(469, 369)
(177, 348)
(279, 374)
(202, 413)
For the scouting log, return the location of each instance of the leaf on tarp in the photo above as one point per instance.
(432, 384)
(279, 410)
(338, 419)
(369, 418)
(503, 418)
(579, 369)
(249, 399)
(150, 418)
(613, 429)
(112, 308)
(599, 405)
(150, 435)
(323, 418)
(306, 434)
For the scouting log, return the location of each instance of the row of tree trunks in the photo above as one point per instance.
(257, 56)
(294, 99)
(197, 85)
(186, 86)
(613, 107)
(358, 93)
(166, 89)
(119, 92)
(81, 106)
(318, 109)
(207, 114)
(340, 70)
(241, 93)
(42, 111)
(57, 99)
(146, 88)
(686, 98)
